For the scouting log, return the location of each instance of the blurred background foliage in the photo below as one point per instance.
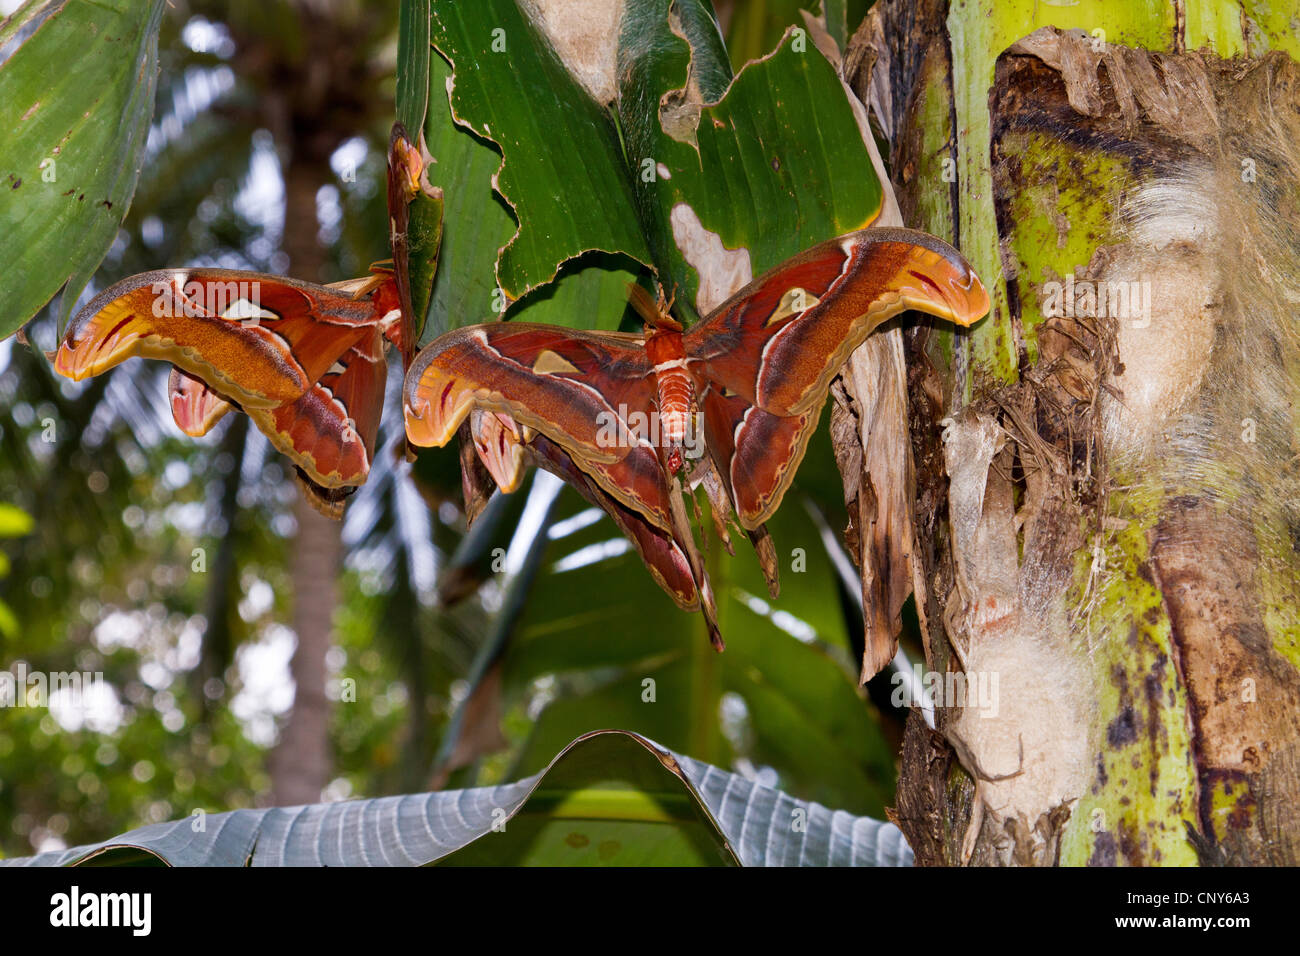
(455, 660)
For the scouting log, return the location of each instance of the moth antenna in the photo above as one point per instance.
(642, 304)
(363, 286)
(652, 311)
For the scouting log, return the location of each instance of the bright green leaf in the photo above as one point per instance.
(590, 291)
(563, 172)
(75, 104)
(775, 166)
(413, 54)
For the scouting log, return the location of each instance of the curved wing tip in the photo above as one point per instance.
(68, 364)
(421, 433)
(977, 303)
(195, 428)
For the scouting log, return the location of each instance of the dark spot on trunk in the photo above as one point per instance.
(1144, 572)
(1133, 639)
(1132, 846)
(1103, 850)
(1122, 731)
(1152, 684)
(1242, 816)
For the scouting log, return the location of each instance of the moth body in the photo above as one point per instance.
(675, 392)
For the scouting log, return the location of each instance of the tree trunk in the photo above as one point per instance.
(317, 83)
(1108, 485)
(301, 763)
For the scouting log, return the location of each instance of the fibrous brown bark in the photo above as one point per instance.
(1120, 522)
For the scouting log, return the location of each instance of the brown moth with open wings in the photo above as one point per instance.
(306, 362)
(631, 419)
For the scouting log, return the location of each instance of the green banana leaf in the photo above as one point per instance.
(611, 798)
(544, 183)
(76, 98)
